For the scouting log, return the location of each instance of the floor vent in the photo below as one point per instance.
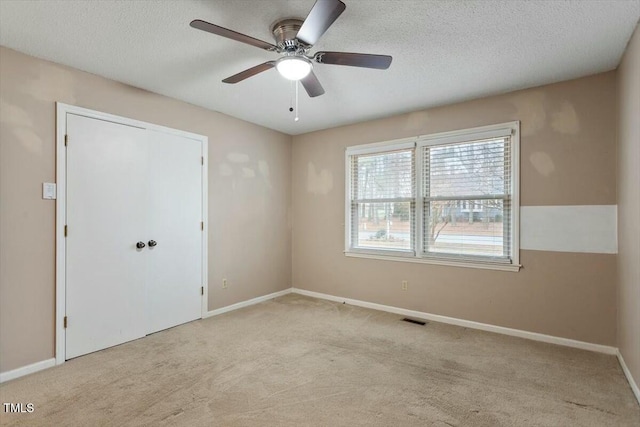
(417, 322)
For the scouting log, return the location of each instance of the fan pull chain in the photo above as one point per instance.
(296, 118)
(291, 82)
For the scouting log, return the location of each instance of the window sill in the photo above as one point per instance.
(451, 263)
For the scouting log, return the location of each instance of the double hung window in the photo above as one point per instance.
(449, 198)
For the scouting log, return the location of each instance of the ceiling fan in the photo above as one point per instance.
(294, 39)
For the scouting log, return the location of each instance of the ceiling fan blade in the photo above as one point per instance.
(250, 72)
(380, 62)
(230, 34)
(312, 85)
(322, 15)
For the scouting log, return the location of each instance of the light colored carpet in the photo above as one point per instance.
(297, 361)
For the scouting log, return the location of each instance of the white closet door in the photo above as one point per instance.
(107, 211)
(174, 268)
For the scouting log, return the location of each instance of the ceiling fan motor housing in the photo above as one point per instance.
(285, 32)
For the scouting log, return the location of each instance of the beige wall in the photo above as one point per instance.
(629, 206)
(259, 185)
(249, 195)
(568, 157)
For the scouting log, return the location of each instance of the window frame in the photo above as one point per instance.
(438, 139)
(376, 148)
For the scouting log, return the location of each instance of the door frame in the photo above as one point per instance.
(61, 207)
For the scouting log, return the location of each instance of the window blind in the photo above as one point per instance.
(382, 200)
(466, 189)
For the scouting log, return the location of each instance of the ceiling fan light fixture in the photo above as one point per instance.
(293, 67)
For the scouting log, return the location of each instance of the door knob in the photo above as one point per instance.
(152, 243)
(140, 245)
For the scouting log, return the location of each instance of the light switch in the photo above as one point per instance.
(48, 190)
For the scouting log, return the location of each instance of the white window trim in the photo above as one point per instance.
(415, 256)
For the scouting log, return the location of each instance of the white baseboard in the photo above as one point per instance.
(26, 370)
(466, 323)
(627, 373)
(247, 303)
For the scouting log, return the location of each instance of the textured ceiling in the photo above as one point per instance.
(443, 51)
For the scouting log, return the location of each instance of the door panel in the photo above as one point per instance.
(107, 210)
(174, 268)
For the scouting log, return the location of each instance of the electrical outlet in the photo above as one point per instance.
(224, 283)
(405, 285)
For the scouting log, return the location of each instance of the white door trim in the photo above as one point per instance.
(61, 167)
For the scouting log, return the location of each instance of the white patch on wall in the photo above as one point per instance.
(566, 120)
(53, 83)
(542, 162)
(238, 157)
(29, 139)
(416, 121)
(225, 170)
(530, 111)
(318, 182)
(14, 115)
(248, 173)
(263, 167)
(590, 229)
